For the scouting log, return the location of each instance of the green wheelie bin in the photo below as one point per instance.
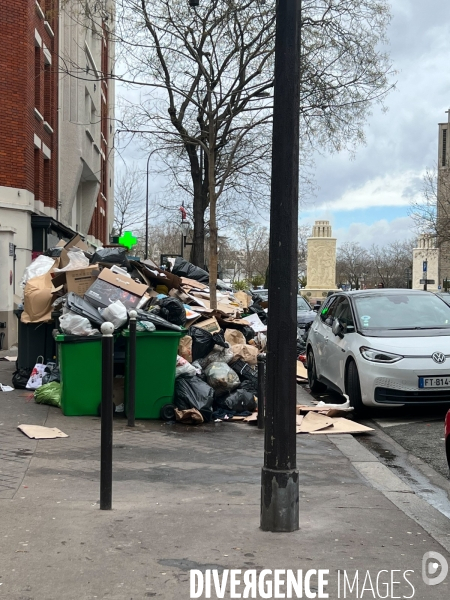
(80, 364)
(156, 357)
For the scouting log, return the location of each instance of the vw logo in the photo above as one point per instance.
(438, 357)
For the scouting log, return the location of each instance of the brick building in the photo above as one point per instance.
(56, 126)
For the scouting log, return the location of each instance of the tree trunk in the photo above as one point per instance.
(212, 214)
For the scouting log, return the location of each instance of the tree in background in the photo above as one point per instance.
(129, 209)
(353, 263)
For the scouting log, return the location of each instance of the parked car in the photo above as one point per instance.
(445, 297)
(447, 437)
(305, 314)
(262, 293)
(382, 347)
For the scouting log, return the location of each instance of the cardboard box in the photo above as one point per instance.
(75, 241)
(210, 325)
(77, 281)
(109, 287)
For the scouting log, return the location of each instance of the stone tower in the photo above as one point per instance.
(321, 264)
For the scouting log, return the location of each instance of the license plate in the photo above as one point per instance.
(434, 382)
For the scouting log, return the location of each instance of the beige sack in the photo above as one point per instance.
(38, 299)
(185, 348)
(233, 336)
(248, 354)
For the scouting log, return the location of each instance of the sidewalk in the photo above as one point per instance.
(186, 498)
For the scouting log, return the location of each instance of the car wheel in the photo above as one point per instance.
(353, 388)
(314, 384)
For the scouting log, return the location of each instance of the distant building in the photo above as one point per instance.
(56, 126)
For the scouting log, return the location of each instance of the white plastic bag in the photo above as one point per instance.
(218, 354)
(145, 326)
(115, 313)
(184, 368)
(41, 265)
(77, 260)
(73, 324)
(35, 380)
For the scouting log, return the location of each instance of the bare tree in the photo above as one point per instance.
(353, 264)
(390, 263)
(129, 210)
(209, 73)
(431, 214)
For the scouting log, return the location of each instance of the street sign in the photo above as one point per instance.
(428, 281)
(425, 266)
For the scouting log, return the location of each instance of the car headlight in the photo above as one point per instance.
(379, 356)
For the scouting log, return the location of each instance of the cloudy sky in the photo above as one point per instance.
(367, 197)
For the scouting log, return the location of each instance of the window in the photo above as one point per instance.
(327, 312)
(444, 147)
(343, 312)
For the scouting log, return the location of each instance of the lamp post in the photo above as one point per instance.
(146, 211)
(279, 478)
(184, 232)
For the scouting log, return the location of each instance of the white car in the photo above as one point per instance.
(384, 347)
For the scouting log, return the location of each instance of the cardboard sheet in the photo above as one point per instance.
(244, 299)
(76, 281)
(342, 425)
(37, 432)
(210, 325)
(314, 422)
(301, 371)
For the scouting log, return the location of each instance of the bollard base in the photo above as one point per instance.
(279, 500)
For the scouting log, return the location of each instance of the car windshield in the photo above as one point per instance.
(402, 312)
(302, 304)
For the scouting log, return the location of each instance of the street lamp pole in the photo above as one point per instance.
(146, 211)
(279, 479)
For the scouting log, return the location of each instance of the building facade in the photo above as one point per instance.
(56, 127)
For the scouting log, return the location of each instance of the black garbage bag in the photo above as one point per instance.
(20, 378)
(203, 342)
(172, 309)
(193, 392)
(239, 401)
(256, 309)
(183, 268)
(81, 307)
(52, 375)
(54, 252)
(245, 372)
(250, 385)
(158, 321)
(114, 256)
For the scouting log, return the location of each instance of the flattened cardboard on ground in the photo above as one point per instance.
(37, 432)
(301, 371)
(342, 425)
(328, 412)
(314, 422)
(298, 423)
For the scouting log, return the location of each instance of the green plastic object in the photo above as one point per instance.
(49, 393)
(156, 357)
(80, 363)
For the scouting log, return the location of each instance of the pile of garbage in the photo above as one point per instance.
(80, 290)
(216, 376)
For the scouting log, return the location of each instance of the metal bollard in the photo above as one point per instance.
(131, 404)
(261, 389)
(107, 417)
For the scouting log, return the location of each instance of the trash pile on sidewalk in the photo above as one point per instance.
(215, 371)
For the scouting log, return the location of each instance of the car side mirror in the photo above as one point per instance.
(337, 328)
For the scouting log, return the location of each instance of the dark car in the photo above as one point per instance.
(305, 313)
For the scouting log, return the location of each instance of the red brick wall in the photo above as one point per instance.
(21, 68)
